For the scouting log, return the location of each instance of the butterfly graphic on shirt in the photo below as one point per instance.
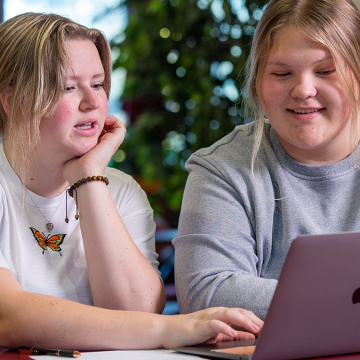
(51, 241)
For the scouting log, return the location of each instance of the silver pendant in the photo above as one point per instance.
(49, 226)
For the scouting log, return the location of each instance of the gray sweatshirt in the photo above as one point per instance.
(234, 236)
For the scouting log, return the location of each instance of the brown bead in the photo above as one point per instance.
(77, 217)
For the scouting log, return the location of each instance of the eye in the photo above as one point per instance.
(326, 72)
(69, 88)
(282, 74)
(98, 86)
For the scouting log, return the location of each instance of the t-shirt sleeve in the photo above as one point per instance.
(3, 262)
(137, 216)
(216, 254)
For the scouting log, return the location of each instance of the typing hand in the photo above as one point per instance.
(211, 325)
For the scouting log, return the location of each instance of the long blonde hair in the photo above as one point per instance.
(32, 63)
(333, 23)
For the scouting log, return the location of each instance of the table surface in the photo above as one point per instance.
(6, 354)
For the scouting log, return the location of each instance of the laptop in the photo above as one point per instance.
(315, 310)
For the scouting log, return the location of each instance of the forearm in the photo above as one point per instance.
(201, 283)
(28, 319)
(237, 290)
(120, 276)
(214, 271)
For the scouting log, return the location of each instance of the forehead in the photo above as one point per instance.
(291, 44)
(82, 53)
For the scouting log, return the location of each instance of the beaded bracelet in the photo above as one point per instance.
(76, 185)
(88, 179)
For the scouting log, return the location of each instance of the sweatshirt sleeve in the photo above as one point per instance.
(217, 256)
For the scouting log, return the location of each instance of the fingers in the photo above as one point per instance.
(243, 318)
(96, 159)
(113, 132)
(220, 319)
(210, 325)
(217, 331)
(215, 324)
(219, 327)
(112, 122)
(240, 335)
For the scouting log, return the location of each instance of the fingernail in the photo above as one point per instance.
(256, 328)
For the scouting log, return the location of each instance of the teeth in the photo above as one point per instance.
(305, 111)
(85, 126)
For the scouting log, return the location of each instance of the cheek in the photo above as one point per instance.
(271, 104)
(272, 94)
(104, 105)
(63, 112)
(53, 124)
(337, 103)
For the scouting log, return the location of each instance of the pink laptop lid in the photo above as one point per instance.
(315, 310)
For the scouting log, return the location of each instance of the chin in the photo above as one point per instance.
(82, 150)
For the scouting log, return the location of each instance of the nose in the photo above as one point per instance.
(89, 100)
(303, 88)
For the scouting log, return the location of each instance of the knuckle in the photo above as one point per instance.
(227, 311)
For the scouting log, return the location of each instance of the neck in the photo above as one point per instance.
(44, 178)
(48, 186)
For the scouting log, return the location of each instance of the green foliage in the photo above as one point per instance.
(183, 58)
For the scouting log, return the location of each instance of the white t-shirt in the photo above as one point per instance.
(62, 273)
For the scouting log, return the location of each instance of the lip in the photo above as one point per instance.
(305, 114)
(87, 127)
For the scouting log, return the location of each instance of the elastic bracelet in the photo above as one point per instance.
(85, 180)
(76, 185)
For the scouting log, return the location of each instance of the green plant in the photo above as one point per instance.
(182, 60)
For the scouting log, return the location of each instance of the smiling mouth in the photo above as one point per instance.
(85, 126)
(306, 111)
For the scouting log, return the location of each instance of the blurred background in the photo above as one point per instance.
(176, 80)
(177, 86)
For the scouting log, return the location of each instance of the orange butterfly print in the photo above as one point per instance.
(52, 241)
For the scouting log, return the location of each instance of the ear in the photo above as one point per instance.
(5, 98)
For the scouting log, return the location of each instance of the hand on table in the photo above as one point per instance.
(211, 325)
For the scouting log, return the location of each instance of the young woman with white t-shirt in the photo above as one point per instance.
(78, 268)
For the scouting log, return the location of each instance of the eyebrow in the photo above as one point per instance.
(314, 63)
(100, 75)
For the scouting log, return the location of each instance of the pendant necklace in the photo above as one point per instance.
(49, 225)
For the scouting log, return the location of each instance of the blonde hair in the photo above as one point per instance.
(32, 64)
(333, 23)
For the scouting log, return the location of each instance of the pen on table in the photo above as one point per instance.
(24, 350)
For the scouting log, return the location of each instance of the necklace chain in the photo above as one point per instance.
(49, 225)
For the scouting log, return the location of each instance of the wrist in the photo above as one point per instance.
(77, 169)
(72, 191)
(174, 330)
(80, 174)
(165, 328)
(84, 180)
